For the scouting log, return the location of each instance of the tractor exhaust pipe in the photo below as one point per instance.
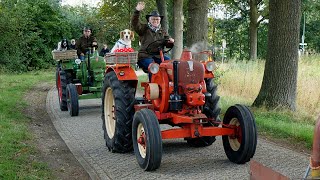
(315, 157)
(89, 68)
(175, 77)
(175, 102)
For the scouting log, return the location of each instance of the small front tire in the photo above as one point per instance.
(241, 147)
(72, 100)
(61, 83)
(147, 140)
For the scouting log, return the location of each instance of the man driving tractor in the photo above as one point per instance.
(84, 42)
(148, 33)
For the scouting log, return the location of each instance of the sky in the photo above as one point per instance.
(80, 2)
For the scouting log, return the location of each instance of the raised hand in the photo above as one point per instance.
(140, 6)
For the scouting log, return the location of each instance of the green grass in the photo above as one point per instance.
(142, 78)
(240, 82)
(284, 125)
(16, 153)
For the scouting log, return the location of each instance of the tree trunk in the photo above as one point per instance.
(162, 8)
(253, 29)
(178, 28)
(197, 23)
(279, 85)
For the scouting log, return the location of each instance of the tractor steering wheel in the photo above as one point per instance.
(162, 44)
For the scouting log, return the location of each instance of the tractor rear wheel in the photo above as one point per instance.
(212, 110)
(58, 68)
(72, 100)
(118, 99)
(147, 141)
(61, 82)
(240, 147)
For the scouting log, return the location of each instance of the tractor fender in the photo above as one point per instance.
(123, 73)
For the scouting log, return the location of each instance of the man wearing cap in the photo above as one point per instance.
(148, 33)
(84, 42)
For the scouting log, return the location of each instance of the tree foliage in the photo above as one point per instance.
(115, 15)
(311, 10)
(30, 30)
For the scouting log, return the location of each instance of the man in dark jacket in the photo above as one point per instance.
(148, 33)
(84, 42)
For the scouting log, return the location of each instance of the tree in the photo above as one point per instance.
(312, 17)
(178, 28)
(197, 23)
(279, 83)
(254, 24)
(252, 9)
(162, 8)
(33, 28)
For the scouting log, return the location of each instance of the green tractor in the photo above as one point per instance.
(76, 79)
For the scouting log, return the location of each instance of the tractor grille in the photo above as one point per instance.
(190, 73)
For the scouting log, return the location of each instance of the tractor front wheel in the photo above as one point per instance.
(147, 141)
(61, 82)
(118, 99)
(240, 147)
(72, 100)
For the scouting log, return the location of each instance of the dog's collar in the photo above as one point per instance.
(122, 43)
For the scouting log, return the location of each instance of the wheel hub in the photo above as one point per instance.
(141, 141)
(235, 140)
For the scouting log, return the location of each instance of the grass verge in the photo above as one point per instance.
(16, 154)
(240, 82)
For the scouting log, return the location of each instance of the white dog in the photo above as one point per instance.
(63, 45)
(126, 36)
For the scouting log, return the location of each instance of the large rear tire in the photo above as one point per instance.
(118, 99)
(212, 110)
(58, 68)
(147, 141)
(62, 89)
(72, 100)
(241, 147)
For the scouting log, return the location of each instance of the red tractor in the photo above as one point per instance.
(180, 93)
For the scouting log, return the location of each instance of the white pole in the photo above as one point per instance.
(222, 54)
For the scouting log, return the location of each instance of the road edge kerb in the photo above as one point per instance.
(78, 155)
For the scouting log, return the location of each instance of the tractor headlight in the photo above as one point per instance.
(77, 61)
(210, 66)
(154, 68)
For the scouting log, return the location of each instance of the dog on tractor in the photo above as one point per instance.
(63, 45)
(126, 36)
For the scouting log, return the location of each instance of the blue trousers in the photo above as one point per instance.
(144, 63)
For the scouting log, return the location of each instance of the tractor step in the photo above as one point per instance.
(94, 89)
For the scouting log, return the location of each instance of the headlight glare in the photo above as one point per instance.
(210, 66)
(154, 68)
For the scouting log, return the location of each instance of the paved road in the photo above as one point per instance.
(84, 136)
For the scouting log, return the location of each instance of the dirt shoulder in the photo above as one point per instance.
(52, 149)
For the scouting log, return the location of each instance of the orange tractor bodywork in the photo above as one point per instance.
(181, 93)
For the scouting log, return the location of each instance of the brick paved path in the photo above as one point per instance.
(84, 137)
